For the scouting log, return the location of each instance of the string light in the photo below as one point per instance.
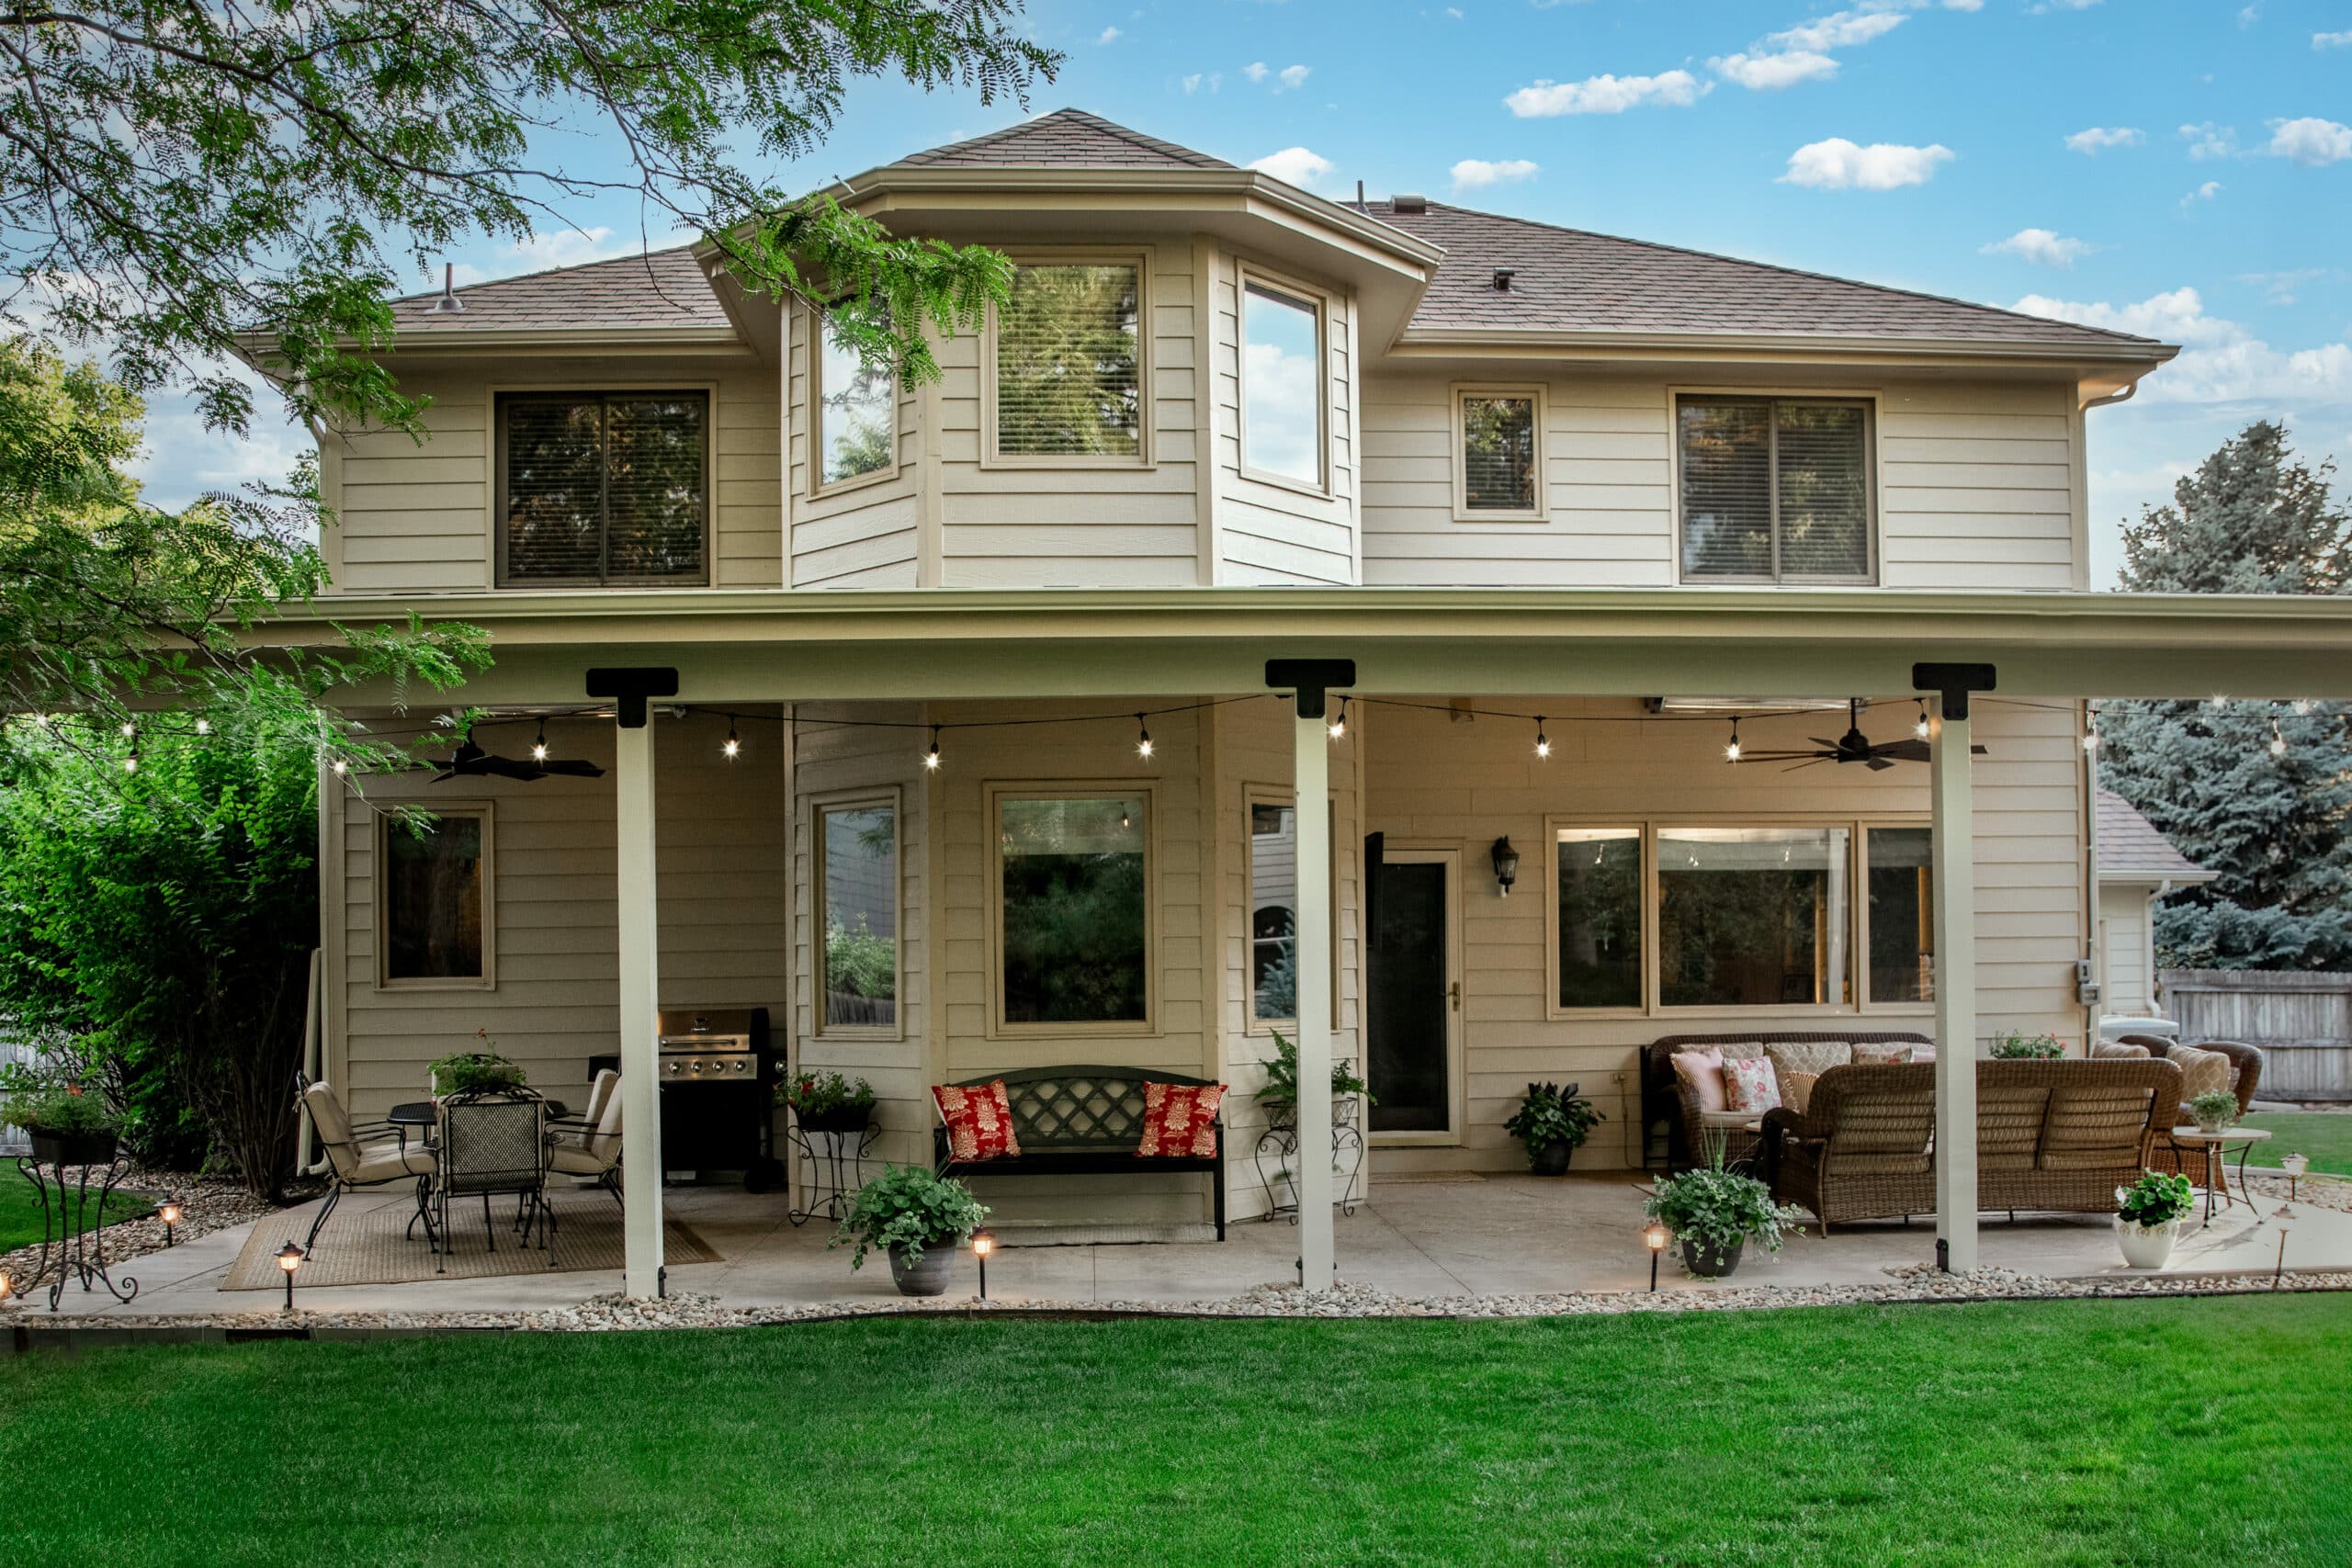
(130, 761)
(2302, 706)
(540, 746)
(2278, 738)
(204, 727)
(1340, 725)
(732, 748)
(2090, 738)
(1731, 752)
(1542, 741)
(341, 767)
(1143, 739)
(129, 729)
(1919, 725)
(930, 758)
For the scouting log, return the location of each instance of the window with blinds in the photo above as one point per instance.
(1068, 362)
(1775, 490)
(1500, 465)
(602, 487)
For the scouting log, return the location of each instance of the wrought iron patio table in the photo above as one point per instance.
(2217, 1156)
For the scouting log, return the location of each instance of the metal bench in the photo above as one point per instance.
(1082, 1121)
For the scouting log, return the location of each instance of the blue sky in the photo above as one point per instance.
(2183, 170)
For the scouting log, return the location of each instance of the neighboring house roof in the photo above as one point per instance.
(1572, 280)
(663, 289)
(1065, 139)
(2131, 850)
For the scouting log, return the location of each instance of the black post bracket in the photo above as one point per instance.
(1311, 678)
(629, 686)
(1952, 683)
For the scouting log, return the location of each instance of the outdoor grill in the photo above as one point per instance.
(718, 1082)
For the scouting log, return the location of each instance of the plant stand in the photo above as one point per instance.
(81, 1251)
(1279, 1145)
(834, 1160)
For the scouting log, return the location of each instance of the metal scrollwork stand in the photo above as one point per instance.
(1280, 1140)
(835, 1161)
(80, 1251)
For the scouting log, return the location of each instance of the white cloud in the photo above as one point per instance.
(1294, 75)
(1294, 165)
(2042, 247)
(2207, 139)
(1196, 81)
(2249, 15)
(2282, 288)
(2332, 41)
(1605, 95)
(1767, 73)
(1255, 71)
(1842, 29)
(2205, 192)
(1963, 4)
(2312, 142)
(1474, 174)
(2221, 362)
(1110, 35)
(1839, 164)
(2097, 139)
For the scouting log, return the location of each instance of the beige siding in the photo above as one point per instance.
(2123, 918)
(1978, 488)
(1269, 532)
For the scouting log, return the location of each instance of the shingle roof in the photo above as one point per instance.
(663, 289)
(1571, 280)
(2130, 849)
(1070, 139)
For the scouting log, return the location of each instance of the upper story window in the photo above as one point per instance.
(1775, 490)
(602, 487)
(1499, 443)
(1069, 365)
(856, 412)
(1281, 384)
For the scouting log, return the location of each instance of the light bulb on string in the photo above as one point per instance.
(204, 727)
(1542, 741)
(342, 767)
(1731, 751)
(130, 761)
(129, 729)
(1340, 725)
(732, 747)
(930, 758)
(2090, 738)
(1919, 725)
(540, 746)
(2278, 739)
(2302, 706)
(1143, 739)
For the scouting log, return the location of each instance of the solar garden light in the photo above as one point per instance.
(2294, 1165)
(168, 1210)
(2285, 1216)
(983, 1243)
(1655, 1236)
(290, 1257)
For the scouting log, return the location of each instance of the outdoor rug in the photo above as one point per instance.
(369, 1245)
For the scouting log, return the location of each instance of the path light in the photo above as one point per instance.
(2285, 1216)
(983, 1243)
(1506, 861)
(168, 1210)
(2294, 1165)
(1655, 1237)
(290, 1257)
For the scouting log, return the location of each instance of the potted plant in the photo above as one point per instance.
(1553, 1123)
(2213, 1110)
(469, 1071)
(1279, 1093)
(70, 1122)
(916, 1216)
(2016, 1047)
(828, 1102)
(1715, 1211)
(2148, 1215)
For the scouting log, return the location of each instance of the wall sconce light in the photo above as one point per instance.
(290, 1257)
(168, 1210)
(1655, 1236)
(983, 1243)
(1505, 865)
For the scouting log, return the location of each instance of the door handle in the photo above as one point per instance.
(1453, 994)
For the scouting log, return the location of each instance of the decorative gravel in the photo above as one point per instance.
(2319, 1191)
(207, 1204)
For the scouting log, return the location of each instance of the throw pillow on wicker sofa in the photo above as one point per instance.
(1805, 1056)
(2201, 1072)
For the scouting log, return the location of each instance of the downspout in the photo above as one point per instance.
(2094, 946)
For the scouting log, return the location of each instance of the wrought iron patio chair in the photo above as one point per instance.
(493, 1142)
(353, 1165)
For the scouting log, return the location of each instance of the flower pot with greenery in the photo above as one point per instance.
(471, 1072)
(1715, 1211)
(2214, 1110)
(70, 1121)
(2148, 1215)
(918, 1219)
(828, 1102)
(1279, 1093)
(2016, 1047)
(1553, 1123)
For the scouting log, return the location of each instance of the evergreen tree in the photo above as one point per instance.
(2257, 791)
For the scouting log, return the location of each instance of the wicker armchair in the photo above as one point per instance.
(1665, 1100)
(2245, 1076)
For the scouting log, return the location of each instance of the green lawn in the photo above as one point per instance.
(2197, 1432)
(20, 1215)
(2325, 1135)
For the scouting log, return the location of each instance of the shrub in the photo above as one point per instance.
(1549, 1114)
(1718, 1208)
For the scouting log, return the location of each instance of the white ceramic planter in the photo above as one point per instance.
(2146, 1246)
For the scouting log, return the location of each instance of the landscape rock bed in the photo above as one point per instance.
(207, 1204)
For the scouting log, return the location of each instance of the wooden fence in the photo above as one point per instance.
(13, 1140)
(2303, 1021)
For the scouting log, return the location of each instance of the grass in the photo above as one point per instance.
(2325, 1135)
(20, 1217)
(2198, 1431)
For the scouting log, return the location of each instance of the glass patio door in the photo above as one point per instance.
(1414, 988)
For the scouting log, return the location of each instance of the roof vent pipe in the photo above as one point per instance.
(449, 300)
(1359, 195)
(1502, 279)
(1405, 201)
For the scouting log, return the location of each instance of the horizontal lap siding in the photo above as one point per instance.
(1978, 486)
(2123, 938)
(1430, 780)
(866, 535)
(722, 878)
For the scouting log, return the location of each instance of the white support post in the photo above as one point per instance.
(1311, 776)
(1955, 912)
(640, 987)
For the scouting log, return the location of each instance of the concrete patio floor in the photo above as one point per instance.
(1510, 1236)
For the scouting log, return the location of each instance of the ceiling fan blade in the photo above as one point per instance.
(444, 777)
(1902, 751)
(572, 768)
(1876, 765)
(1812, 762)
(507, 768)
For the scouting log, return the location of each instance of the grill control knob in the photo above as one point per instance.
(743, 1068)
(694, 1067)
(670, 1068)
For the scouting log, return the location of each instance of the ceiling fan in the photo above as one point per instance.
(1855, 747)
(472, 763)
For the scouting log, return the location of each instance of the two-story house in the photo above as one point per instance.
(972, 760)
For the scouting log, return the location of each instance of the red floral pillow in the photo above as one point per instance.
(979, 1122)
(1180, 1120)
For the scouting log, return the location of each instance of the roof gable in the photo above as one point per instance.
(663, 290)
(1065, 139)
(2131, 849)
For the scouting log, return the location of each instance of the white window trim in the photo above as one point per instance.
(992, 794)
(853, 800)
(1857, 826)
(1874, 456)
(821, 488)
(386, 824)
(1245, 274)
(494, 482)
(1253, 797)
(1146, 454)
(1461, 394)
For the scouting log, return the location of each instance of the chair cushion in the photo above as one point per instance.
(1179, 1120)
(1815, 1056)
(1734, 1121)
(2109, 1051)
(390, 1162)
(2201, 1072)
(1750, 1086)
(1702, 1072)
(1882, 1053)
(978, 1121)
(567, 1159)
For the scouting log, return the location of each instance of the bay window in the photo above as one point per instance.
(1282, 385)
(1073, 913)
(1068, 371)
(1774, 489)
(856, 412)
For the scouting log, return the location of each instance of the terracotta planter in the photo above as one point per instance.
(2145, 1246)
(1712, 1263)
(1551, 1159)
(928, 1275)
(73, 1148)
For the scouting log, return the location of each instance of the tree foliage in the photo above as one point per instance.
(180, 180)
(2257, 791)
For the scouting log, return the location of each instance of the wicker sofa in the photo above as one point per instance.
(1665, 1098)
(2051, 1137)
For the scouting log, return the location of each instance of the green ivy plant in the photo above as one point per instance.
(1717, 1208)
(2016, 1047)
(2215, 1107)
(1281, 1075)
(1548, 1114)
(2156, 1199)
(909, 1208)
